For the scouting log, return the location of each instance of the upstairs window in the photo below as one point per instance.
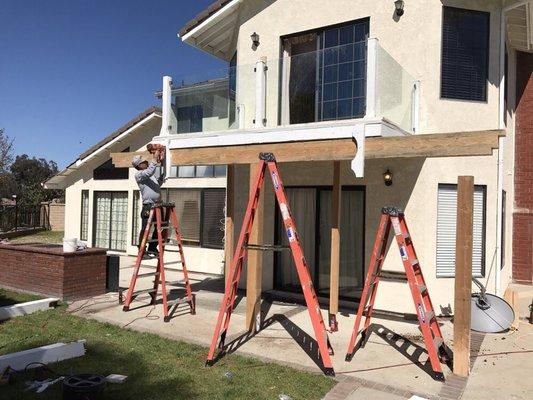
(465, 54)
(190, 119)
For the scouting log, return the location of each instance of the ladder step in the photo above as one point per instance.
(437, 342)
(176, 283)
(430, 315)
(414, 261)
(422, 288)
(138, 292)
(393, 276)
(176, 302)
(144, 275)
(266, 247)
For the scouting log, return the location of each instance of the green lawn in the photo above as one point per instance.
(157, 368)
(41, 237)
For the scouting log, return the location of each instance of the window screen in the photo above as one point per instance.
(84, 225)
(465, 49)
(446, 226)
(213, 217)
(187, 202)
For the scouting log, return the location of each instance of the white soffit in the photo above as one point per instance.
(216, 34)
(519, 23)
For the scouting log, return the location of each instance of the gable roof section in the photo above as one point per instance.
(59, 181)
(202, 16)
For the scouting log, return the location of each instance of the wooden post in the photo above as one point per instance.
(463, 275)
(255, 258)
(335, 246)
(229, 236)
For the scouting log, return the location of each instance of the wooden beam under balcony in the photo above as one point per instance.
(476, 143)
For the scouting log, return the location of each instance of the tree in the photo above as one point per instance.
(29, 174)
(6, 158)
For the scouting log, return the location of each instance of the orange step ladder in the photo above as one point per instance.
(164, 219)
(391, 216)
(267, 160)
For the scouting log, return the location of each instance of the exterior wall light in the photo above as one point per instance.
(387, 178)
(398, 4)
(255, 40)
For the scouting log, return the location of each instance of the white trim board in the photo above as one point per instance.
(20, 309)
(45, 355)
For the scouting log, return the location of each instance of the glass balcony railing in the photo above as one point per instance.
(355, 80)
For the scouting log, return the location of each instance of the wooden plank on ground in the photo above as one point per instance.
(335, 241)
(463, 275)
(255, 261)
(20, 309)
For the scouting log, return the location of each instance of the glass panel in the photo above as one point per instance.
(119, 222)
(303, 208)
(187, 203)
(204, 171)
(186, 171)
(220, 171)
(102, 220)
(84, 228)
(136, 223)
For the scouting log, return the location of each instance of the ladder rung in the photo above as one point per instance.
(176, 283)
(414, 262)
(422, 288)
(176, 302)
(430, 315)
(147, 274)
(437, 342)
(396, 276)
(172, 251)
(138, 292)
(163, 223)
(266, 247)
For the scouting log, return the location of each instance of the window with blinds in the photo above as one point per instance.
(446, 230)
(84, 223)
(465, 54)
(188, 208)
(213, 203)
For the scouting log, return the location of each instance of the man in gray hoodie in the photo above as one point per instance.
(149, 186)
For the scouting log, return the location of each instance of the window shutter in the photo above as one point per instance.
(187, 203)
(446, 226)
(465, 44)
(213, 218)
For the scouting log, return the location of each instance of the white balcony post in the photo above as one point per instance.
(415, 112)
(168, 120)
(260, 93)
(372, 105)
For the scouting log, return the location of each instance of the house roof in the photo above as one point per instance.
(58, 181)
(203, 15)
(123, 128)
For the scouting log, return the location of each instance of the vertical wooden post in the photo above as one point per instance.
(229, 236)
(255, 258)
(463, 275)
(335, 246)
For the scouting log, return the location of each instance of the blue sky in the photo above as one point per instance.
(72, 71)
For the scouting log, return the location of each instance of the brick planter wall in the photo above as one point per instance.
(523, 178)
(46, 270)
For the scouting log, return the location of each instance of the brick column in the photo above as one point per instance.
(523, 178)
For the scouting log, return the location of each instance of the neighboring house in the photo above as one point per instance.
(103, 203)
(350, 71)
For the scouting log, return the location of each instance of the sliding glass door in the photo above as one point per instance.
(311, 208)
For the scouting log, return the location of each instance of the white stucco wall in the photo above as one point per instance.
(198, 259)
(414, 41)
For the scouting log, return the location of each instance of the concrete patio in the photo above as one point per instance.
(392, 364)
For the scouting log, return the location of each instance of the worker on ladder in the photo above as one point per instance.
(150, 189)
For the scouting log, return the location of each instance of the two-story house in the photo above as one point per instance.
(387, 102)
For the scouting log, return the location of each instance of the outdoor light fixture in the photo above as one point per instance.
(255, 40)
(387, 178)
(398, 4)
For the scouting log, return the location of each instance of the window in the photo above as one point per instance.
(465, 53)
(198, 171)
(232, 89)
(324, 74)
(213, 203)
(84, 225)
(200, 214)
(190, 119)
(136, 223)
(446, 226)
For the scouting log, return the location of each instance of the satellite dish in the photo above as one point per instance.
(489, 313)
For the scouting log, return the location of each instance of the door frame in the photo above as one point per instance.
(277, 238)
(95, 195)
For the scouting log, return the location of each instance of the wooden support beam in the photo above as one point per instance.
(255, 258)
(229, 236)
(335, 246)
(478, 143)
(463, 275)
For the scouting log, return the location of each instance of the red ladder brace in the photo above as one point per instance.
(226, 307)
(163, 216)
(424, 309)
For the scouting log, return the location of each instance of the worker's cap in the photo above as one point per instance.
(137, 160)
